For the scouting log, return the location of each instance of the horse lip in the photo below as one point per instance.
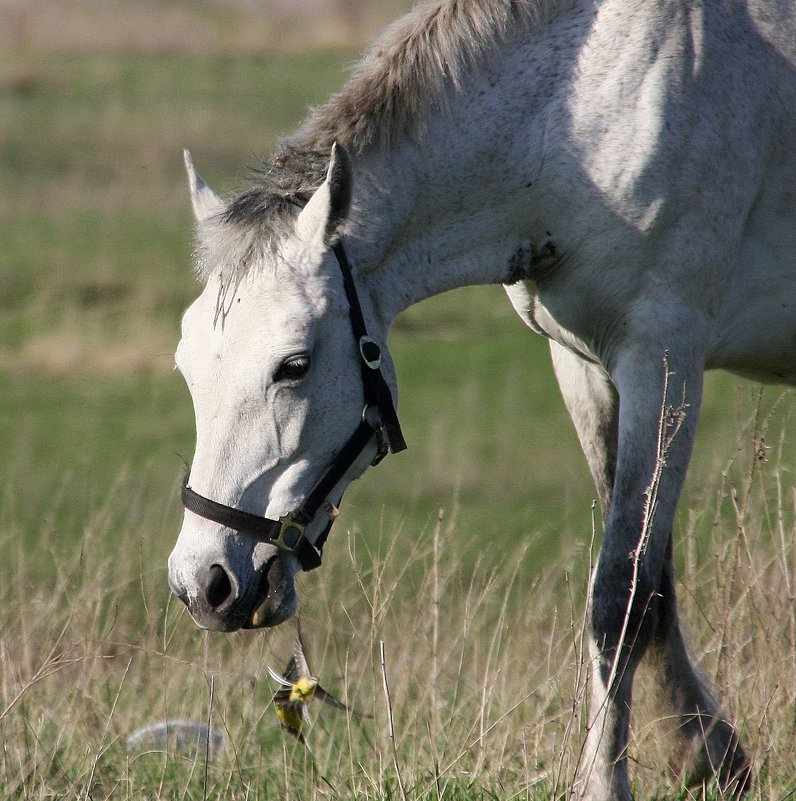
(260, 616)
(228, 626)
(256, 621)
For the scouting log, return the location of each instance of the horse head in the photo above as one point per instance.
(289, 398)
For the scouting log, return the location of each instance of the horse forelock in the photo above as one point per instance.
(227, 250)
(407, 70)
(254, 221)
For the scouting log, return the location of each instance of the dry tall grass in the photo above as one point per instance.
(483, 666)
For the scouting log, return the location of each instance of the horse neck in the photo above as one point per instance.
(426, 221)
(461, 199)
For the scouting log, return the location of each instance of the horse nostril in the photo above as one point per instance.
(218, 588)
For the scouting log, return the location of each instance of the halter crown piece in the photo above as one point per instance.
(287, 532)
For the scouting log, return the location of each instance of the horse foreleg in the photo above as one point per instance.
(622, 612)
(708, 745)
(657, 418)
(593, 405)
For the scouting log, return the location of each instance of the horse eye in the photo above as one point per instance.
(293, 367)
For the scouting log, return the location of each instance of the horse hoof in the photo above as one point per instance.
(720, 756)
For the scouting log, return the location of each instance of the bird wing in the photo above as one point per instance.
(328, 698)
(281, 679)
(292, 673)
(299, 654)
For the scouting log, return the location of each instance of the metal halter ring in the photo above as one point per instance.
(366, 344)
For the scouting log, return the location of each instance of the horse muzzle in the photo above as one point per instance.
(222, 598)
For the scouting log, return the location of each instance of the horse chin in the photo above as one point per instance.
(277, 599)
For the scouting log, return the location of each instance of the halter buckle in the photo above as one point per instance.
(290, 533)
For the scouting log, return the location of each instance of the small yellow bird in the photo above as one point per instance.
(298, 689)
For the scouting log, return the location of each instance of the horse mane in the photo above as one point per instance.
(406, 71)
(409, 67)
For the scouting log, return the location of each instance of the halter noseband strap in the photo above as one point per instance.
(287, 532)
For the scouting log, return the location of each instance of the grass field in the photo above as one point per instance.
(480, 612)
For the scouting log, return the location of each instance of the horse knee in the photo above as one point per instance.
(624, 616)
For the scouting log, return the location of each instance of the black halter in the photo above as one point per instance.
(287, 532)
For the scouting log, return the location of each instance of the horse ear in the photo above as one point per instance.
(328, 208)
(204, 200)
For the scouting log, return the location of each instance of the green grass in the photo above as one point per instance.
(95, 425)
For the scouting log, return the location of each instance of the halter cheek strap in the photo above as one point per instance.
(377, 393)
(288, 532)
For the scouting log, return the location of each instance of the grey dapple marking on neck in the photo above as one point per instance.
(627, 168)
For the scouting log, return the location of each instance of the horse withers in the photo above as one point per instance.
(627, 169)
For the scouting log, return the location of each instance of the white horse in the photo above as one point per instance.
(627, 168)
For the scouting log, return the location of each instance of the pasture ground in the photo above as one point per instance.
(479, 605)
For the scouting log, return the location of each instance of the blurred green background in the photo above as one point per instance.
(95, 271)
